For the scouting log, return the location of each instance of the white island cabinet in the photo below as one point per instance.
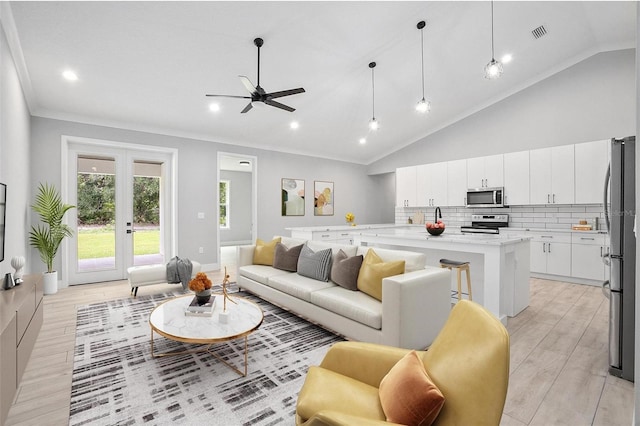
(499, 264)
(340, 234)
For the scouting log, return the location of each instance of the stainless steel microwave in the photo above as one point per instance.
(485, 197)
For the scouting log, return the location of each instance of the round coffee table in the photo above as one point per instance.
(169, 320)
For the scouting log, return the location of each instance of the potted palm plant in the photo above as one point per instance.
(48, 237)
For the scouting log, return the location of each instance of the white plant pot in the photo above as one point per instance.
(50, 282)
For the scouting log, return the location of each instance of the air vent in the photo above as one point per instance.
(539, 32)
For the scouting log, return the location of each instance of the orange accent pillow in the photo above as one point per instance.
(373, 270)
(264, 252)
(408, 395)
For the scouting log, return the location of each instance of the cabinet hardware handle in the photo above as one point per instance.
(544, 247)
(600, 251)
(325, 235)
(554, 198)
(548, 247)
(546, 236)
(548, 199)
(585, 238)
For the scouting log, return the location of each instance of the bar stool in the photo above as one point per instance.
(459, 267)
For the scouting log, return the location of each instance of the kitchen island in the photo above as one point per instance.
(499, 264)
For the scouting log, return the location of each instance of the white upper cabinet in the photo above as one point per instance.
(432, 184)
(457, 183)
(551, 175)
(516, 178)
(592, 159)
(406, 186)
(485, 172)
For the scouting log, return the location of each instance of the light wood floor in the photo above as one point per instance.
(558, 357)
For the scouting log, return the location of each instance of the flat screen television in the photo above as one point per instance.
(3, 210)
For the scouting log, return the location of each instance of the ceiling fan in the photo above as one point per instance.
(258, 94)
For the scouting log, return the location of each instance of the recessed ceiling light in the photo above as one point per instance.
(213, 107)
(294, 125)
(245, 163)
(70, 75)
(363, 141)
(506, 58)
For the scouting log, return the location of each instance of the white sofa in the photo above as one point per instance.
(414, 307)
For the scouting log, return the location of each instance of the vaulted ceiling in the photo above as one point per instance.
(147, 65)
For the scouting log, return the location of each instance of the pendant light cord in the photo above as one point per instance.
(373, 95)
(492, 54)
(422, 46)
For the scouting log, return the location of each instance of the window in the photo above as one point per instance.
(224, 203)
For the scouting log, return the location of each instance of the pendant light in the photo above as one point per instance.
(493, 69)
(373, 123)
(424, 105)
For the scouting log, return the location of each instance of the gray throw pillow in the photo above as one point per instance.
(286, 259)
(316, 265)
(345, 270)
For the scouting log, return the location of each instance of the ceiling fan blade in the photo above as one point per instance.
(279, 105)
(282, 93)
(247, 83)
(247, 108)
(229, 96)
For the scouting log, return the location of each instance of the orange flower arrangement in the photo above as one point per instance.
(200, 283)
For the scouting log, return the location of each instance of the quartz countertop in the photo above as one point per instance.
(449, 236)
(346, 227)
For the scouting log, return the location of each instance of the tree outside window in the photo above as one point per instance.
(224, 203)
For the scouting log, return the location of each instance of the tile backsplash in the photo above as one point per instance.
(549, 217)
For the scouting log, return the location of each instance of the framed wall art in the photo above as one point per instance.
(322, 198)
(292, 197)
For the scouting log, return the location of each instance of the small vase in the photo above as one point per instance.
(203, 296)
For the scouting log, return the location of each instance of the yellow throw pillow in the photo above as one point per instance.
(263, 253)
(373, 270)
(408, 395)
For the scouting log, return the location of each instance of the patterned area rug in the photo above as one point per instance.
(116, 381)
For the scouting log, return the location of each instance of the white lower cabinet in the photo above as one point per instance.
(586, 257)
(551, 253)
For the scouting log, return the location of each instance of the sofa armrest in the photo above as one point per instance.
(335, 418)
(415, 307)
(245, 255)
(365, 362)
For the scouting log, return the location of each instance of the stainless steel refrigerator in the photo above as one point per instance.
(619, 211)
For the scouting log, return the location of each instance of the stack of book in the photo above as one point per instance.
(198, 310)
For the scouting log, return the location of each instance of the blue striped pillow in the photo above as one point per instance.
(315, 265)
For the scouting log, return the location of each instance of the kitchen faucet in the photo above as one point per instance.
(438, 212)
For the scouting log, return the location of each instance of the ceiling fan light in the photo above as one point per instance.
(374, 124)
(423, 106)
(493, 69)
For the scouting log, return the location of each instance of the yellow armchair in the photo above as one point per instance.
(468, 362)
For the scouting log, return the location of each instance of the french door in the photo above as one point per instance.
(123, 215)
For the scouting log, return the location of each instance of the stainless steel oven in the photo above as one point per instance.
(485, 197)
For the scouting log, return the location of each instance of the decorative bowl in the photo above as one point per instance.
(435, 231)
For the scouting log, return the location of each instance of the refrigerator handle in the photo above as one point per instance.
(607, 177)
(606, 289)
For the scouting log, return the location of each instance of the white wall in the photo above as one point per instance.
(592, 100)
(196, 182)
(14, 157)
